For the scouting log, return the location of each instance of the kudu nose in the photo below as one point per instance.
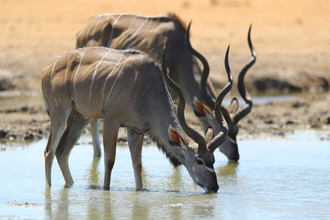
(234, 159)
(215, 188)
(212, 189)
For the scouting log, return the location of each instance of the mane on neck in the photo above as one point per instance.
(172, 158)
(178, 20)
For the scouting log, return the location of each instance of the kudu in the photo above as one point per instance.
(121, 31)
(125, 88)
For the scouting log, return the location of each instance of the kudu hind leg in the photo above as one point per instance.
(57, 125)
(135, 142)
(75, 125)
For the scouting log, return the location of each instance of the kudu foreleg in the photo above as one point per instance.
(110, 134)
(135, 142)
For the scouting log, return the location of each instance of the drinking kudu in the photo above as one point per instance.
(126, 89)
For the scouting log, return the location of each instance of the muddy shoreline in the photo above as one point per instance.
(274, 120)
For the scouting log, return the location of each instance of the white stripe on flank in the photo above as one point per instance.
(145, 37)
(52, 73)
(100, 19)
(112, 28)
(127, 29)
(95, 72)
(109, 75)
(137, 31)
(89, 29)
(155, 31)
(75, 75)
(107, 99)
(52, 76)
(66, 74)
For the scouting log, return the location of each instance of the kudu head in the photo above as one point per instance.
(232, 114)
(197, 156)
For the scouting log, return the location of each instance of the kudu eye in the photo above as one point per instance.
(199, 161)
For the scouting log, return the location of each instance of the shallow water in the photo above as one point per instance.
(274, 179)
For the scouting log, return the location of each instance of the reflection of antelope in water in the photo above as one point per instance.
(121, 31)
(126, 89)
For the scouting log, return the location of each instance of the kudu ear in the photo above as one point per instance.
(233, 107)
(175, 138)
(201, 110)
(198, 108)
(209, 135)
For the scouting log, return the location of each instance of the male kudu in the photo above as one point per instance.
(126, 89)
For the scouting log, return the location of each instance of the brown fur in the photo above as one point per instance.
(178, 20)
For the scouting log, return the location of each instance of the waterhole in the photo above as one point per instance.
(274, 179)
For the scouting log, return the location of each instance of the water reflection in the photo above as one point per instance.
(175, 179)
(99, 204)
(109, 204)
(227, 175)
(227, 170)
(57, 208)
(93, 174)
(139, 210)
